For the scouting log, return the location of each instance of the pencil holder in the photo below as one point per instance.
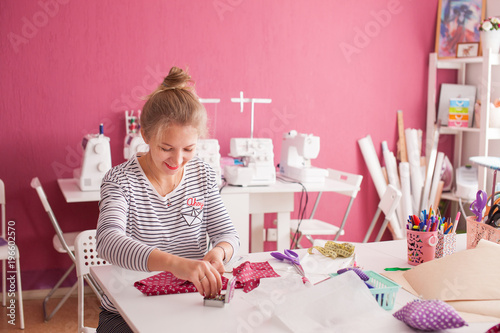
(447, 244)
(421, 246)
(478, 230)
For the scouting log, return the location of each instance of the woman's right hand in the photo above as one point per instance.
(201, 273)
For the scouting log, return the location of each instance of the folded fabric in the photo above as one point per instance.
(494, 329)
(166, 283)
(248, 274)
(248, 277)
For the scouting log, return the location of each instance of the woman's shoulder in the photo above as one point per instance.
(122, 172)
(202, 169)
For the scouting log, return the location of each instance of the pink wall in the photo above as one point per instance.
(337, 69)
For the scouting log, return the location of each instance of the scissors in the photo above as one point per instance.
(478, 205)
(293, 258)
(494, 216)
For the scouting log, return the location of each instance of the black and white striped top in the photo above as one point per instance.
(134, 219)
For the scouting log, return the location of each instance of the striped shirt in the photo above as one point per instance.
(134, 219)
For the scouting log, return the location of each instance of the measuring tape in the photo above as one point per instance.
(333, 250)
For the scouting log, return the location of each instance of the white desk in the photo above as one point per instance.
(186, 313)
(242, 202)
(72, 193)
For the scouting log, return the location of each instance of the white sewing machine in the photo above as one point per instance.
(96, 161)
(208, 151)
(134, 142)
(258, 162)
(297, 150)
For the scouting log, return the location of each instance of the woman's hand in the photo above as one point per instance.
(201, 273)
(216, 258)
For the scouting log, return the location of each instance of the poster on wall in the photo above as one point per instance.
(458, 22)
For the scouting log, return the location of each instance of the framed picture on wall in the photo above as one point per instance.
(458, 22)
(465, 50)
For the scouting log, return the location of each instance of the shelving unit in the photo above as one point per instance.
(486, 134)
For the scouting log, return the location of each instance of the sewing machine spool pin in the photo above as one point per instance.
(256, 154)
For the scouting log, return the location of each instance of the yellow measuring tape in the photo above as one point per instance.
(333, 250)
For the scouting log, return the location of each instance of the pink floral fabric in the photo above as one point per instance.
(248, 277)
(248, 274)
(166, 283)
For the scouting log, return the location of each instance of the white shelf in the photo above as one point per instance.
(456, 130)
(493, 133)
(452, 197)
(456, 63)
(484, 132)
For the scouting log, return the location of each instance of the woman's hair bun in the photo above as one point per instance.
(177, 79)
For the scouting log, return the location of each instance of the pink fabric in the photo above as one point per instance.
(248, 277)
(166, 283)
(248, 274)
(494, 329)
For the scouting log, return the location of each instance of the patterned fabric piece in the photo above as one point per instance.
(430, 315)
(447, 244)
(166, 283)
(248, 274)
(494, 329)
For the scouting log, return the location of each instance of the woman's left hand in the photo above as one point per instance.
(216, 256)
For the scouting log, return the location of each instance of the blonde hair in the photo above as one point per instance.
(174, 102)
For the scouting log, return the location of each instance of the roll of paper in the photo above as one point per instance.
(392, 175)
(404, 173)
(438, 194)
(415, 170)
(430, 170)
(373, 164)
(436, 178)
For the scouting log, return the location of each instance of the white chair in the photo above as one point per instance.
(86, 257)
(388, 204)
(63, 243)
(9, 251)
(313, 227)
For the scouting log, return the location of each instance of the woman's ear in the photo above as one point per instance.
(144, 136)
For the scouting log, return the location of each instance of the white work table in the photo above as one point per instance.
(185, 312)
(242, 202)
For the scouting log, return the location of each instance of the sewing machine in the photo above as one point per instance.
(297, 151)
(208, 151)
(134, 143)
(96, 161)
(258, 162)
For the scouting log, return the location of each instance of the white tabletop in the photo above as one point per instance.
(72, 192)
(185, 312)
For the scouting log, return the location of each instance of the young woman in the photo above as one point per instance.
(157, 209)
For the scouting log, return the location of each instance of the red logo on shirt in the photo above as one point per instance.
(192, 202)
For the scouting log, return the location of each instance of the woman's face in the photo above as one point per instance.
(172, 149)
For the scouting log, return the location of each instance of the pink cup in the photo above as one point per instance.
(447, 244)
(480, 230)
(421, 246)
